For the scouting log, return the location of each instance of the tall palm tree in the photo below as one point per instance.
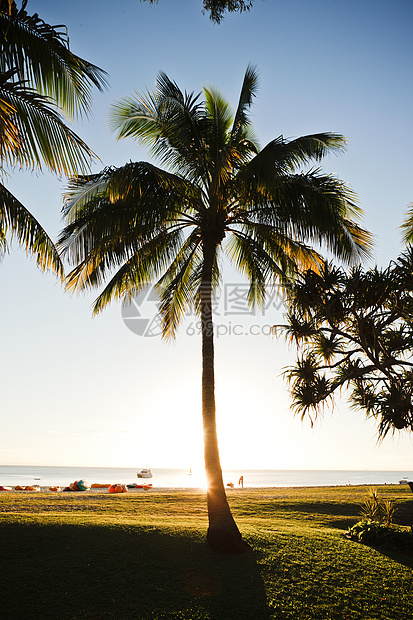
(140, 223)
(39, 75)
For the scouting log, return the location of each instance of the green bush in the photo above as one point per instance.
(370, 532)
(375, 528)
(374, 534)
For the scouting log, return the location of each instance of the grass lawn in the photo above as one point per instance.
(142, 555)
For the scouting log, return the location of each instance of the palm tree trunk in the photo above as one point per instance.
(223, 534)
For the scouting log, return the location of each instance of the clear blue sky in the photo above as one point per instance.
(83, 391)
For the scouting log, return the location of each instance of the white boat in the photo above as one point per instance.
(144, 473)
(404, 481)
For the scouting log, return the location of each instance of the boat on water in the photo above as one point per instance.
(404, 481)
(144, 473)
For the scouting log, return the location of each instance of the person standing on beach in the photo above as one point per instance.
(241, 482)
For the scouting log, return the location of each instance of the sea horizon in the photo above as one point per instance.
(11, 475)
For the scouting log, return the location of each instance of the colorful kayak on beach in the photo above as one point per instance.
(118, 488)
(134, 485)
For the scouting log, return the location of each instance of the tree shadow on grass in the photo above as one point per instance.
(344, 509)
(398, 556)
(69, 571)
(404, 513)
(324, 514)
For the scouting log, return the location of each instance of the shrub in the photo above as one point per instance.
(376, 527)
(378, 510)
(370, 532)
(377, 534)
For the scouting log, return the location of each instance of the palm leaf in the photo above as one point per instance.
(17, 220)
(40, 53)
(146, 265)
(176, 286)
(281, 157)
(248, 92)
(170, 122)
(10, 141)
(40, 134)
(312, 208)
(407, 226)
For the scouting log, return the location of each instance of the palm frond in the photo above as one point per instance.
(312, 147)
(407, 226)
(170, 122)
(10, 141)
(20, 223)
(40, 133)
(252, 260)
(41, 54)
(112, 214)
(148, 263)
(314, 208)
(128, 219)
(220, 120)
(282, 157)
(248, 92)
(177, 285)
(135, 117)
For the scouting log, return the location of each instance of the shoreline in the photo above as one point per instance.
(179, 478)
(59, 489)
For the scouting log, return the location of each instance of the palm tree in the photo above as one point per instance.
(38, 76)
(140, 223)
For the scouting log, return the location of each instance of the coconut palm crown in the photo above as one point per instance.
(40, 77)
(215, 193)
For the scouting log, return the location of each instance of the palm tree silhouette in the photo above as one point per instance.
(219, 194)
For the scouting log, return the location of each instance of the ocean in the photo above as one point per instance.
(181, 479)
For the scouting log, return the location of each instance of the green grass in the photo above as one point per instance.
(143, 556)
